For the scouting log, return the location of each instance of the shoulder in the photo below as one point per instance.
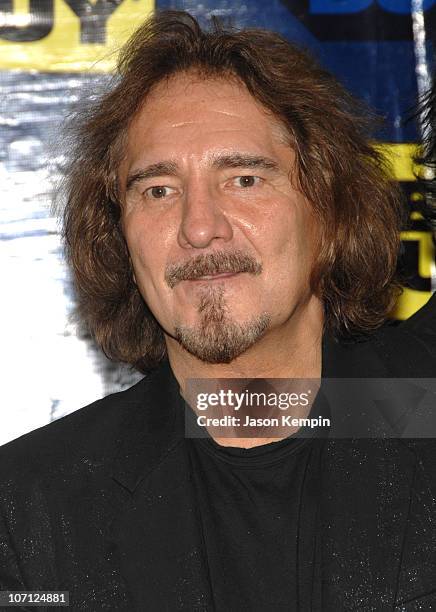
(88, 434)
(409, 349)
(423, 322)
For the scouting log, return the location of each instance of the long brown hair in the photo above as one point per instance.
(339, 171)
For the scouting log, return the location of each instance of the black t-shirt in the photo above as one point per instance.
(258, 513)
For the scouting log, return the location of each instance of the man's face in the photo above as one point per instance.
(221, 241)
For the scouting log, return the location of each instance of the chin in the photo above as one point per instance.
(217, 338)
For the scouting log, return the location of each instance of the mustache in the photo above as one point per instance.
(218, 262)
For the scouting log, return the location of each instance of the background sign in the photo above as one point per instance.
(52, 52)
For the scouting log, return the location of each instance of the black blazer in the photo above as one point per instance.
(100, 502)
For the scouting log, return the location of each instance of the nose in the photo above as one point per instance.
(203, 219)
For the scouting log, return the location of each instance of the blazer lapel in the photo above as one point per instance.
(365, 513)
(366, 494)
(157, 536)
(160, 544)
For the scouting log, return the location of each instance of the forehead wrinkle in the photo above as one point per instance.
(182, 123)
(226, 113)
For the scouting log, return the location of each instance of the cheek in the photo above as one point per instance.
(138, 250)
(145, 245)
(279, 236)
(141, 253)
(289, 247)
(295, 234)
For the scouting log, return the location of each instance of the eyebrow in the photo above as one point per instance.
(164, 168)
(238, 160)
(220, 162)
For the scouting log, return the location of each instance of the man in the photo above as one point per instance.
(227, 218)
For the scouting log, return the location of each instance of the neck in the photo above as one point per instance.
(291, 350)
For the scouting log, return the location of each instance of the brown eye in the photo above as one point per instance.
(158, 192)
(247, 181)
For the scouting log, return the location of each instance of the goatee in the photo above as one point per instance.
(219, 339)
